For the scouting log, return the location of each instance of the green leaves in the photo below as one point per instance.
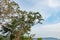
(39, 38)
(12, 36)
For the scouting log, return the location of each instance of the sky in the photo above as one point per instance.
(50, 11)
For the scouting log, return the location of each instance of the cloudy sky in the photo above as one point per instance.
(50, 10)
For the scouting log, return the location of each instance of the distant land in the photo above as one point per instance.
(48, 38)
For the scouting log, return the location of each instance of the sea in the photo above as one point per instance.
(47, 39)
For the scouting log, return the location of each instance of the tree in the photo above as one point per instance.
(39, 38)
(16, 22)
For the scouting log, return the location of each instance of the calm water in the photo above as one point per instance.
(48, 39)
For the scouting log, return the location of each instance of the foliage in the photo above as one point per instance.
(17, 22)
(3, 38)
(39, 38)
(26, 38)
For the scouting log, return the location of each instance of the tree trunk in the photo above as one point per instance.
(17, 36)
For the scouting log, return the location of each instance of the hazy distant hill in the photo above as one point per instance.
(49, 38)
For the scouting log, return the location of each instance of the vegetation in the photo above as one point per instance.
(39, 38)
(16, 22)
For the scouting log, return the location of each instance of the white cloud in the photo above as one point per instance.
(54, 3)
(46, 7)
(52, 30)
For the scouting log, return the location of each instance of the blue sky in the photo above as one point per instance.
(50, 10)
